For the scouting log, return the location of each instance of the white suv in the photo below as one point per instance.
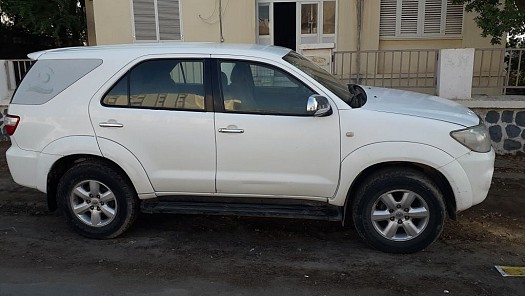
(240, 130)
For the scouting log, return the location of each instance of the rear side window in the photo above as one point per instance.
(48, 78)
(160, 84)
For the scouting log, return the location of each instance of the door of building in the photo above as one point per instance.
(306, 26)
(285, 22)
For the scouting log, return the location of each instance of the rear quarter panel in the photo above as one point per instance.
(64, 115)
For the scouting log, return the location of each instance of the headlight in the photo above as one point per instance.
(475, 138)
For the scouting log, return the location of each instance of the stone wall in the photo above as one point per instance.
(507, 129)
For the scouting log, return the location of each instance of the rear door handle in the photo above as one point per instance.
(110, 124)
(231, 130)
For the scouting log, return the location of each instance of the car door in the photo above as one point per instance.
(160, 110)
(267, 144)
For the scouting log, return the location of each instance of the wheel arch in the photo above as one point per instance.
(437, 177)
(63, 164)
(61, 154)
(368, 159)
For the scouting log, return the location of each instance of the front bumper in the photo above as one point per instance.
(470, 177)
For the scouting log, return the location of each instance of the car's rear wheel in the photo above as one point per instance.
(96, 200)
(399, 211)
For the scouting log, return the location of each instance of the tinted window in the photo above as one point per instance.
(161, 84)
(257, 88)
(48, 78)
(118, 95)
(335, 85)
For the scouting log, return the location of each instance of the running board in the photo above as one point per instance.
(280, 209)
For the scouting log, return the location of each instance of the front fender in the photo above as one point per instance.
(364, 157)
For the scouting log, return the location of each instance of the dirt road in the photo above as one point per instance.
(208, 255)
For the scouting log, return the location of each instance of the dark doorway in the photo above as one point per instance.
(284, 24)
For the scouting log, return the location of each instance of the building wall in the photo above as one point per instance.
(346, 24)
(90, 22)
(472, 34)
(420, 44)
(113, 22)
(370, 40)
(200, 21)
(370, 34)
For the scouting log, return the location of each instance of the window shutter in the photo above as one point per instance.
(409, 16)
(144, 16)
(433, 13)
(387, 22)
(454, 19)
(420, 18)
(169, 19)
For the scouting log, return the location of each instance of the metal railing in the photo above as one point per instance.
(16, 70)
(501, 70)
(407, 68)
(489, 70)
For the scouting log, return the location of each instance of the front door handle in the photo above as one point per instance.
(231, 130)
(110, 123)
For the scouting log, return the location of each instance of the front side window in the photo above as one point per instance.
(258, 88)
(319, 74)
(160, 84)
(420, 18)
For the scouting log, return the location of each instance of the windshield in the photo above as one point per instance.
(320, 75)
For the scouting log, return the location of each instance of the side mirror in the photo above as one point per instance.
(358, 96)
(318, 106)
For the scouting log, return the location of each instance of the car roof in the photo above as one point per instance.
(131, 51)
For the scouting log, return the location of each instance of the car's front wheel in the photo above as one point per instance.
(96, 200)
(399, 211)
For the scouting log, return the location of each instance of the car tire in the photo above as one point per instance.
(398, 210)
(97, 200)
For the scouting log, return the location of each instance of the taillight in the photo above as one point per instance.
(10, 123)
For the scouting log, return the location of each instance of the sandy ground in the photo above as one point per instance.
(209, 255)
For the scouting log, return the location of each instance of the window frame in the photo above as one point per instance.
(270, 18)
(320, 35)
(157, 28)
(207, 84)
(218, 90)
(318, 18)
(421, 16)
(323, 34)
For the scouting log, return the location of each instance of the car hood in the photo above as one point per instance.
(417, 104)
